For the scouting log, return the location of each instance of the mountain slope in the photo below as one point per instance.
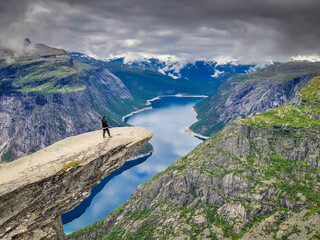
(245, 94)
(45, 96)
(258, 178)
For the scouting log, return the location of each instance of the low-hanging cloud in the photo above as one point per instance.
(249, 30)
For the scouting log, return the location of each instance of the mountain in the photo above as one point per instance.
(258, 178)
(45, 96)
(245, 94)
(198, 71)
(145, 81)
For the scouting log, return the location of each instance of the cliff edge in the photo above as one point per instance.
(37, 189)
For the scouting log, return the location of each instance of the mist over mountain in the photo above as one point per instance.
(198, 71)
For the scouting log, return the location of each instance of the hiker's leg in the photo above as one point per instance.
(104, 133)
(108, 132)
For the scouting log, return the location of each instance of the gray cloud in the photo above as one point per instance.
(249, 30)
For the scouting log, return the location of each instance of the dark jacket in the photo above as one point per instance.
(104, 123)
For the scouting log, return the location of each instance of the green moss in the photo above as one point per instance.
(316, 236)
(250, 160)
(33, 150)
(69, 165)
(286, 116)
(48, 78)
(7, 155)
(139, 214)
(115, 232)
(311, 93)
(211, 212)
(145, 232)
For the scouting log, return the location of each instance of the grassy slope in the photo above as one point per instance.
(44, 77)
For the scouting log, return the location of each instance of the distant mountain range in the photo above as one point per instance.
(198, 71)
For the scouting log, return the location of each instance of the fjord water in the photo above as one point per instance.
(167, 119)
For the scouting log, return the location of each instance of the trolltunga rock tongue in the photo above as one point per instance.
(36, 189)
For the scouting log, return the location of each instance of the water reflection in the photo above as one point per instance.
(167, 119)
(81, 208)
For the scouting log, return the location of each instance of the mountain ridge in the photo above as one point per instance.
(246, 94)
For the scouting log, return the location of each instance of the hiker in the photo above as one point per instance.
(105, 126)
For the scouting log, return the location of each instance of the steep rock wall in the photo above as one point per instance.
(246, 94)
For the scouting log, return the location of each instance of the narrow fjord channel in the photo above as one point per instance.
(167, 118)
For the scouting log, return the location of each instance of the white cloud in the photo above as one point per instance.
(223, 31)
(217, 73)
(310, 58)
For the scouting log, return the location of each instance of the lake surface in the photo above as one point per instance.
(167, 119)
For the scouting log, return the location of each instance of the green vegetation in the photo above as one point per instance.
(116, 232)
(91, 228)
(139, 214)
(311, 93)
(7, 155)
(48, 78)
(283, 117)
(33, 150)
(69, 165)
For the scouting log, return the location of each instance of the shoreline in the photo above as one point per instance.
(188, 131)
(134, 112)
(148, 103)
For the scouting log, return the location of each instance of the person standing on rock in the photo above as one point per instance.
(105, 127)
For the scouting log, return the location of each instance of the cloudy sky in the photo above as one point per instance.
(246, 30)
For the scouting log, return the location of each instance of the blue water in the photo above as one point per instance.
(167, 119)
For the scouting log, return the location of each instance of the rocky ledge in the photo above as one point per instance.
(37, 189)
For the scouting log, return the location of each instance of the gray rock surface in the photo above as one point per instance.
(37, 189)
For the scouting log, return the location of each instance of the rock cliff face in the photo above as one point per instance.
(258, 178)
(245, 94)
(37, 189)
(45, 97)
